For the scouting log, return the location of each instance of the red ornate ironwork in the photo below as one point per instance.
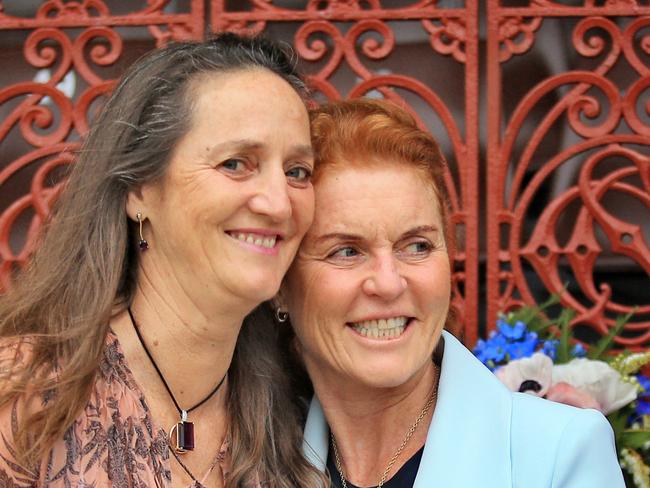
(65, 37)
(338, 35)
(555, 155)
(556, 217)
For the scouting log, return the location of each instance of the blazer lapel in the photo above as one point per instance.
(468, 443)
(315, 444)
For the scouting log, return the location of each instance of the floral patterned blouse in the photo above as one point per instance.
(114, 442)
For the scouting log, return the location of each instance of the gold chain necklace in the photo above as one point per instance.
(393, 459)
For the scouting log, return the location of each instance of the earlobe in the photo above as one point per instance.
(135, 204)
(279, 307)
(277, 302)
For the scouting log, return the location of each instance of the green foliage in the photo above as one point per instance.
(605, 344)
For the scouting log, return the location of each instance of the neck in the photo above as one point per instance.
(192, 346)
(370, 425)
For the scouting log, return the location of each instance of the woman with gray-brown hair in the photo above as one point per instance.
(130, 356)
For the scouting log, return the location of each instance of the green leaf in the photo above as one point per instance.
(563, 349)
(633, 438)
(604, 344)
(537, 321)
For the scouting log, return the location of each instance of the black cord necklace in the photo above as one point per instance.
(181, 435)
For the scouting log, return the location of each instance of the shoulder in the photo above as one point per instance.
(113, 417)
(558, 445)
(542, 443)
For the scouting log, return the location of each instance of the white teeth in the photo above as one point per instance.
(383, 323)
(381, 328)
(269, 242)
(256, 240)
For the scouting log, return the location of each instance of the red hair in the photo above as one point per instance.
(364, 132)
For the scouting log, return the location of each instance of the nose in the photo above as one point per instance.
(271, 196)
(385, 280)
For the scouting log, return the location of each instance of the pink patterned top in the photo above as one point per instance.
(114, 441)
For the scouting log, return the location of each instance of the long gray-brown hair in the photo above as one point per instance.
(84, 269)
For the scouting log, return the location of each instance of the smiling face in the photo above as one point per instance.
(226, 219)
(368, 293)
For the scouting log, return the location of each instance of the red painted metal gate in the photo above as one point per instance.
(542, 109)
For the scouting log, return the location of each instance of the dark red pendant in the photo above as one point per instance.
(181, 436)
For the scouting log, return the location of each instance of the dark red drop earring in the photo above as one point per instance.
(143, 245)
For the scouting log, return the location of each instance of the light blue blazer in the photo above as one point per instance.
(484, 436)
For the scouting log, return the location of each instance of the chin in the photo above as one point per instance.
(259, 288)
(386, 376)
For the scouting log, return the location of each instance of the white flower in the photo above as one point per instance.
(598, 379)
(530, 375)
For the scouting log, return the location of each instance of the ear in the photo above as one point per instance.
(135, 204)
(278, 302)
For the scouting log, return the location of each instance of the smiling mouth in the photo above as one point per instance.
(383, 329)
(265, 241)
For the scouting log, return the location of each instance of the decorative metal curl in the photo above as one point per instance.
(62, 9)
(100, 54)
(39, 115)
(316, 49)
(449, 37)
(517, 35)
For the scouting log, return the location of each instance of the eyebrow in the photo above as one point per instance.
(304, 151)
(420, 229)
(300, 150)
(342, 236)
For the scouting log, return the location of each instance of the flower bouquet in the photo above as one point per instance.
(532, 353)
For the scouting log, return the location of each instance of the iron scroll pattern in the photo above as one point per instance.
(78, 37)
(360, 37)
(534, 248)
(328, 36)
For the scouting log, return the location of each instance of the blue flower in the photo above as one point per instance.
(491, 350)
(644, 381)
(642, 407)
(549, 348)
(513, 332)
(643, 401)
(523, 349)
(479, 350)
(578, 351)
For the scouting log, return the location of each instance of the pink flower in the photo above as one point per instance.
(599, 380)
(567, 394)
(582, 382)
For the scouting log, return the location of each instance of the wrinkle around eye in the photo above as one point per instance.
(241, 169)
(339, 252)
(407, 253)
(338, 257)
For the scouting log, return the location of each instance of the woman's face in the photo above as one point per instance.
(369, 291)
(236, 199)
